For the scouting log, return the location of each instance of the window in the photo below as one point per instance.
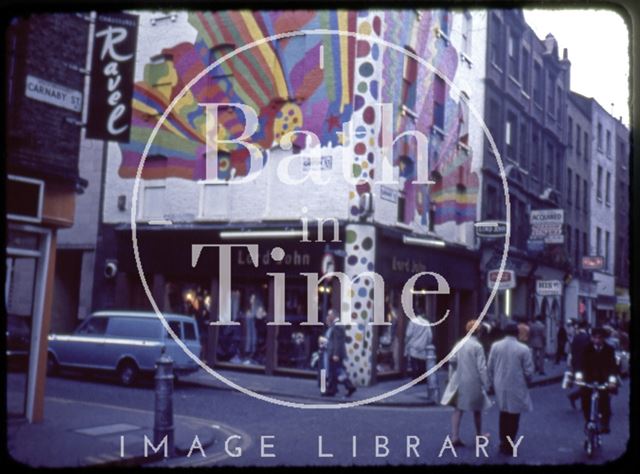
(585, 243)
(607, 237)
(409, 80)
(492, 202)
(559, 104)
(577, 140)
(224, 69)
(513, 50)
(599, 184)
(93, 326)
(189, 331)
(569, 185)
(401, 206)
(524, 70)
(524, 142)
(535, 156)
(569, 237)
(510, 135)
(609, 143)
(598, 241)
(175, 327)
(548, 172)
(585, 197)
(467, 28)
(496, 42)
(494, 121)
(577, 246)
(551, 98)
(578, 192)
(538, 86)
(570, 133)
(585, 145)
(607, 189)
(558, 171)
(599, 136)
(439, 94)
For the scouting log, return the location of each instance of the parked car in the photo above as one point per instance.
(18, 335)
(125, 342)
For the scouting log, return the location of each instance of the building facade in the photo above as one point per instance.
(580, 296)
(527, 83)
(376, 214)
(623, 207)
(44, 95)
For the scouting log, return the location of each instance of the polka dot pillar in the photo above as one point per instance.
(360, 241)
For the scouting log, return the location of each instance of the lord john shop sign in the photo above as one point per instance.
(112, 68)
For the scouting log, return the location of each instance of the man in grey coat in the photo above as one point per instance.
(537, 343)
(510, 369)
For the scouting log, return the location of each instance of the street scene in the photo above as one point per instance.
(329, 238)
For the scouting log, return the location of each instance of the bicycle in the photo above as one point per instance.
(593, 426)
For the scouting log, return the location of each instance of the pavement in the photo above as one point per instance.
(113, 435)
(306, 390)
(77, 434)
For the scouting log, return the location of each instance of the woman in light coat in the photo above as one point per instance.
(466, 390)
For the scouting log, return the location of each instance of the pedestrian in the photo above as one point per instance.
(335, 354)
(418, 336)
(562, 342)
(537, 344)
(468, 384)
(578, 345)
(523, 331)
(510, 369)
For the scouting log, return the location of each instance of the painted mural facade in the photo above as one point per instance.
(315, 83)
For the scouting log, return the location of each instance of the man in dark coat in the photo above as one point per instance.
(336, 353)
(578, 345)
(599, 363)
(562, 341)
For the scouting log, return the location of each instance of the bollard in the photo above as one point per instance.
(163, 421)
(433, 391)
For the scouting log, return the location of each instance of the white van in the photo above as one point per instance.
(127, 342)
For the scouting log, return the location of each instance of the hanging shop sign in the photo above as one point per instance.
(491, 229)
(112, 68)
(592, 262)
(507, 281)
(548, 287)
(546, 225)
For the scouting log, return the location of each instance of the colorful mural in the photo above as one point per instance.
(315, 83)
(303, 82)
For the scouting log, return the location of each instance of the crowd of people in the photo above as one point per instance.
(515, 354)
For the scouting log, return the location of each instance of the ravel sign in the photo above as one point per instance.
(546, 225)
(112, 67)
(507, 281)
(548, 287)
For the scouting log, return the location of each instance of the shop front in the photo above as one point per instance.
(248, 341)
(397, 262)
